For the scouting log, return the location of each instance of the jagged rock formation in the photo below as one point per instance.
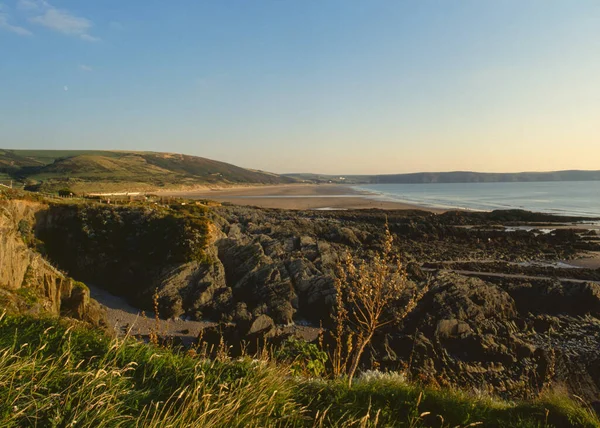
(257, 271)
(499, 337)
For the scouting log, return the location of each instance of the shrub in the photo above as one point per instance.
(365, 292)
(25, 230)
(305, 358)
(29, 295)
(66, 192)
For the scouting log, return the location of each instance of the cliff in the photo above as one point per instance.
(28, 282)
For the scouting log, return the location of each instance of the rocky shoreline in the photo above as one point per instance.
(498, 316)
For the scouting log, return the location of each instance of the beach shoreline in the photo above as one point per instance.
(297, 197)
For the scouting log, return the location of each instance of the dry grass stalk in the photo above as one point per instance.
(365, 293)
(155, 331)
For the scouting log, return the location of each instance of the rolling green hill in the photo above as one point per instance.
(114, 170)
(9, 160)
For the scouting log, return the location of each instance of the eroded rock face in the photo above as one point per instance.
(555, 298)
(15, 256)
(30, 283)
(477, 335)
(257, 267)
(196, 290)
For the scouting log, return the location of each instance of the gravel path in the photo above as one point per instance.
(124, 319)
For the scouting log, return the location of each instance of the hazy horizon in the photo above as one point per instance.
(336, 87)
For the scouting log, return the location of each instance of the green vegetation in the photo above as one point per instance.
(66, 192)
(13, 194)
(304, 358)
(52, 375)
(29, 295)
(10, 161)
(85, 171)
(125, 246)
(80, 285)
(46, 157)
(25, 230)
(58, 374)
(390, 401)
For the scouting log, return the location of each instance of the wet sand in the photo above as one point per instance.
(297, 197)
(124, 319)
(588, 260)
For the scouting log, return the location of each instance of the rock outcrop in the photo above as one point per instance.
(258, 272)
(499, 337)
(29, 283)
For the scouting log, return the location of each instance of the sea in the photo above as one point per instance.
(574, 198)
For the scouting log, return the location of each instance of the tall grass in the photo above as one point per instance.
(50, 376)
(62, 375)
(387, 400)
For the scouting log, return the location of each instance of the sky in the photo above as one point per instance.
(323, 86)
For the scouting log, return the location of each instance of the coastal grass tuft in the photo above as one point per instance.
(392, 401)
(52, 374)
(59, 373)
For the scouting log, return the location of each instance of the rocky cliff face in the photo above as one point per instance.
(127, 250)
(259, 266)
(217, 265)
(29, 283)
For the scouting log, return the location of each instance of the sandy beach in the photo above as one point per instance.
(297, 197)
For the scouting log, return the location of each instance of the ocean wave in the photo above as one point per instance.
(473, 197)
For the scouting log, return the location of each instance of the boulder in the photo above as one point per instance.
(447, 329)
(262, 325)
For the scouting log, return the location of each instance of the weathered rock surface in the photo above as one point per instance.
(477, 335)
(265, 269)
(28, 283)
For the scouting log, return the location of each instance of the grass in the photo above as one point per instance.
(53, 373)
(49, 156)
(391, 401)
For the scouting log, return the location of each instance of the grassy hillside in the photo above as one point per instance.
(111, 170)
(45, 157)
(56, 374)
(10, 161)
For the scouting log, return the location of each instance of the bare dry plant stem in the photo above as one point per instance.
(364, 295)
(155, 331)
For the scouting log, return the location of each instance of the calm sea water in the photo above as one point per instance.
(580, 198)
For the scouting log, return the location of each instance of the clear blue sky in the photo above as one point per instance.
(331, 86)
